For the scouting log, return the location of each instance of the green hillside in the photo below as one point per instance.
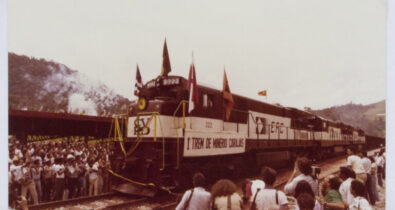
(370, 118)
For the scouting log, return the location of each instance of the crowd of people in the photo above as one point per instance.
(43, 172)
(355, 188)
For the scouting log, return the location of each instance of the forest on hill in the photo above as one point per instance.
(41, 85)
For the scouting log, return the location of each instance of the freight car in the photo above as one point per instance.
(165, 144)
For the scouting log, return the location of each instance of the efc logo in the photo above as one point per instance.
(260, 125)
(141, 126)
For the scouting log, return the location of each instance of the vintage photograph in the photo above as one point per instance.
(197, 105)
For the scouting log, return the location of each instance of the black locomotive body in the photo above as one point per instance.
(165, 144)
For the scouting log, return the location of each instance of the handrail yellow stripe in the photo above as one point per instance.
(182, 103)
(120, 138)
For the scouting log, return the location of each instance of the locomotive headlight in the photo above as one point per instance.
(142, 103)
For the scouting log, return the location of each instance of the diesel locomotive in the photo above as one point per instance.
(224, 136)
(165, 144)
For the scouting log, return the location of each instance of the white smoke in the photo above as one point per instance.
(78, 104)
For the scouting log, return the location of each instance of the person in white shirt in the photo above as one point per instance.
(27, 183)
(224, 196)
(354, 162)
(18, 152)
(268, 197)
(345, 191)
(367, 165)
(17, 175)
(93, 178)
(59, 171)
(302, 165)
(16, 170)
(249, 188)
(196, 198)
(358, 190)
(255, 185)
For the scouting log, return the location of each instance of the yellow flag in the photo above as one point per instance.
(262, 93)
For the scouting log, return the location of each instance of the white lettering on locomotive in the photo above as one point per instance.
(212, 143)
(267, 126)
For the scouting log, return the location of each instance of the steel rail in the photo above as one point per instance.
(72, 201)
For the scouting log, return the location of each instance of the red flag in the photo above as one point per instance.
(228, 99)
(166, 68)
(139, 82)
(192, 89)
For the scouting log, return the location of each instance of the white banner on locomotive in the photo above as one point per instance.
(213, 143)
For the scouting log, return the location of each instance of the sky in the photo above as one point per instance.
(305, 53)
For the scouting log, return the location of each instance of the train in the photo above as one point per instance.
(165, 144)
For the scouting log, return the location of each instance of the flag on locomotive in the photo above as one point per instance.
(166, 68)
(262, 93)
(192, 89)
(139, 82)
(228, 99)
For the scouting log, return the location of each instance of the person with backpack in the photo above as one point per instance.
(268, 197)
(197, 197)
(224, 196)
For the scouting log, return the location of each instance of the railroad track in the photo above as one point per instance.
(86, 202)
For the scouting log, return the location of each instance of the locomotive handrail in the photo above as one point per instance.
(154, 115)
(117, 133)
(182, 103)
